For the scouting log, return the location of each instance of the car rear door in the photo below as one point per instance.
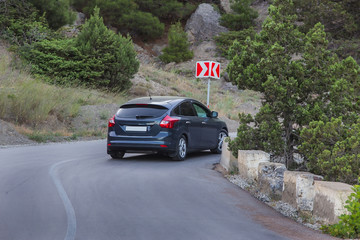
(209, 128)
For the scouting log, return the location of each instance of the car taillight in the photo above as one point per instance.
(111, 122)
(168, 122)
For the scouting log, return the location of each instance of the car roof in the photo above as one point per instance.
(158, 100)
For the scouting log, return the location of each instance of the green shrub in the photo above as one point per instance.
(178, 49)
(97, 58)
(349, 224)
(59, 60)
(243, 16)
(57, 12)
(144, 24)
(332, 149)
(225, 40)
(166, 9)
(20, 23)
(112, 56)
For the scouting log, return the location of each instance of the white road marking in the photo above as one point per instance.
(70, 212)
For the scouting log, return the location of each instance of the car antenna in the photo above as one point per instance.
(150, 95)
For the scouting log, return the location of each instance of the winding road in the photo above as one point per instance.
(75, 191)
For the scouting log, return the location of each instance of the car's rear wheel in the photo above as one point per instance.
(221, 137)
(117, 155)
(181, 149)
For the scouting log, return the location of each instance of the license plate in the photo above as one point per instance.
(135, 129)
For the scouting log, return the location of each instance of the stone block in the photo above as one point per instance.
(271, 179)
(330, 200)
(228, 161)
(248, 162)
(299, 190)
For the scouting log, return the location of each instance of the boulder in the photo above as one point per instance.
(204, 24)
(225, 4)
(271, 179)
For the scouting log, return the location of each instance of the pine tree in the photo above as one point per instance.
(296, 91)
(178, 49)
(110, 54)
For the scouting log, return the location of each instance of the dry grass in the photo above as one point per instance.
(28, 101)
(227, 103)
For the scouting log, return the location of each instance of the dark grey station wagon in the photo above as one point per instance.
(170, 125)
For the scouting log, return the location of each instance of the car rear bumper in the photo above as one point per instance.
(163, 142)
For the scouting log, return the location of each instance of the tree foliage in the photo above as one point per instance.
(297, 90)
(226, 39)
(138, 17)
(178, 49)
(340, 18)
(57, 12)
(96, 58)
(20, 23)
(166, 9)
(243, 16)
(144, 24)
(333, 149)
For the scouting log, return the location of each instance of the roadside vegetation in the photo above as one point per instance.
(43, 111)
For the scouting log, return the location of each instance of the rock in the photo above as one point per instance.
(142, 55)
(271, 179)
(225, 4)
(204, 24)
(73, 30)
(80, 19)
(226, 77)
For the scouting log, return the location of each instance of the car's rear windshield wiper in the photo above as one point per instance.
(143, 116)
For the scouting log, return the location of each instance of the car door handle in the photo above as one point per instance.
(187, 122)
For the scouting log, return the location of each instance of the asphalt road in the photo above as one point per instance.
(75, 191)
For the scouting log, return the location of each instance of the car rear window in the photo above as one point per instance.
(141, 111)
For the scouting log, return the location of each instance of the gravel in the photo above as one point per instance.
(282, 207)
(9, 136)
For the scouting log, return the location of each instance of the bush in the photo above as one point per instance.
(332, 149)
(349, 224)
(243, 16)
(109, 54)
(166, 9)
(20, 23)
(97, 58)
(225, 40)
(178, 49)
(57, 12)
(144, 24)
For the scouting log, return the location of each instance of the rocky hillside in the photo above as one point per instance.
(155, 78)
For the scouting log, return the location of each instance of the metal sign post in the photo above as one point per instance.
(208, 94)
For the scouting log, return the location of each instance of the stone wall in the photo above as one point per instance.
(303, 190)
(330, 199)
(228, 161)
(248, 162)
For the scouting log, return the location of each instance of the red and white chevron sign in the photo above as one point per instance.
(207, 69)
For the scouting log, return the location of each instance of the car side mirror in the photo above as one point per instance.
(214, 114)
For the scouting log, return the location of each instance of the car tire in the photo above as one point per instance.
(222, 135)
(181, 149)
(117, 155)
